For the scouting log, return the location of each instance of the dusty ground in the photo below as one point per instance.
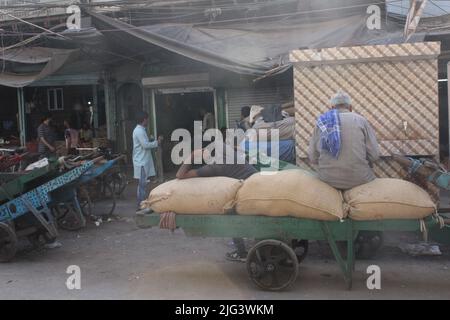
(118, 260)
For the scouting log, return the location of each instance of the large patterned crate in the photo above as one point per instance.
(394, 86)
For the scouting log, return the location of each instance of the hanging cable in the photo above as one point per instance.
(32, 24)
(434, 4)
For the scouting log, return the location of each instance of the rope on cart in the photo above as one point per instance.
(424, 230)
(440, 220)
(167, 220)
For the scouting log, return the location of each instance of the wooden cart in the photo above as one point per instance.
(272, 263)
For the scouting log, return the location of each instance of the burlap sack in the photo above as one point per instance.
(193, 196)
(294, 193)
(387, 198)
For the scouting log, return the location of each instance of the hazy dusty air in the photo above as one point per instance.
(227, 153)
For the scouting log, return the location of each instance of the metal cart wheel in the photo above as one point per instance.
(118, 182)
(8, 242)
(367, 244)
(106, 203)
(85, 201)
(300, 248)
(69, 217)
(272, 265)
(103, 199)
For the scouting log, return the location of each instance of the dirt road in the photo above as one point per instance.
(118, 260)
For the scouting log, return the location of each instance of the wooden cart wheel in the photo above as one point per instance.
(272, 265)
(8, 242)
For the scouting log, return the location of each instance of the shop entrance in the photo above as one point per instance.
(179, 110)
(9, 118)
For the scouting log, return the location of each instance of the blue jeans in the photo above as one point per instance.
(142, 187)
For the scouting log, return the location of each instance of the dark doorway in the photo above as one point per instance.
(9, 115)
(179, 110)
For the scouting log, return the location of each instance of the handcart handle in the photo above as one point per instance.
(122, 156)
(116, 159)
(98, 159)
(87, 149)
(418, 165)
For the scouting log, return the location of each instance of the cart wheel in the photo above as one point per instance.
(105, 203)
(85, 201)
(367, 244)
(118, 182)
(8, 242)
(300, 248)
(272, 265)
(68, 217)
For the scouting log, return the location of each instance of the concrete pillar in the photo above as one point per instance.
(110, 109)
(95, 105)
(21, 108)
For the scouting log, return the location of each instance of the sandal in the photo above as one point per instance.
(235, 256)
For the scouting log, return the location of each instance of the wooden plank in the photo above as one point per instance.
(373, 53)
(189, 80)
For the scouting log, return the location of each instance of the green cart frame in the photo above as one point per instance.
(272, 263)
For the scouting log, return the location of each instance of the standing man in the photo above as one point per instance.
(72, 138)
(46, 138)
(142, 155)
(343, 145)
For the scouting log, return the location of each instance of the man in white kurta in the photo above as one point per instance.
(143, 164)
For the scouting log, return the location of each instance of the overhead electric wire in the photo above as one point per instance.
(432, 2)
(291, 14)
(29, 40)
(32, 24)
(261, 17)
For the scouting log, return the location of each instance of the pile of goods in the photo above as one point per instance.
(295, 193)
(388, 199)
(289, 193)
(194, 196)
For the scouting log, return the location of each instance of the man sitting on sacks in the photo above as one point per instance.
(234, 166)
(268, 118)
(343, 145)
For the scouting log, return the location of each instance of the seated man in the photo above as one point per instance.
(236, 171)
(343, 145)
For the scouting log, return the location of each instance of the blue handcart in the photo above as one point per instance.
(29, 214)
(79, 199)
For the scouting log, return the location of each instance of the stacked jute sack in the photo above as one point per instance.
(295, 193)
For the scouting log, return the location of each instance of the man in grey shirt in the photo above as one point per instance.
(358, 149)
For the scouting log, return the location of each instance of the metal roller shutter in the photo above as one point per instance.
(237, 98)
